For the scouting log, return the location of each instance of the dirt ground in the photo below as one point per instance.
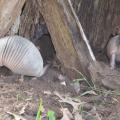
(22, 98)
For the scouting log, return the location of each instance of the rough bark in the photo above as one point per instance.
(9, 10)
(33, 27)
(30, 18)
(99, 19)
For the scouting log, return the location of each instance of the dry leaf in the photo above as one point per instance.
(66, 114)
(77, 116)
(47, 92)
(72, 101)
(63, 83)
(16, 117)
(94, 112)
(75, 104)
(22, 111)
(62, 79)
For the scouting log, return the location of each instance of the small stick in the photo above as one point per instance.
(81, 31)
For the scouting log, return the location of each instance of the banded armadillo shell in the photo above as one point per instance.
(20, 56)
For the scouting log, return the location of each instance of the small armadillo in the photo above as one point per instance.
(113, 50)
(21, 56)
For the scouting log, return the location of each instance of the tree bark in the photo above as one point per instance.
(99, 18)
(9, 11)
(30, 20)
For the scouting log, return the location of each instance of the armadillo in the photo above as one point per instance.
(113, 50)
(21, 56)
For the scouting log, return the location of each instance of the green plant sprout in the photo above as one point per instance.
(40, 108)
(51, 115)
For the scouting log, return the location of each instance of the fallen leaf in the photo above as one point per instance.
(62, 79)
(72, 101)
(75, 104)
(95, 113)
(77, 116)
(115, 100)
(63, 83)
(47, 92)
(22, 111)
(16, 117)
(66, 114)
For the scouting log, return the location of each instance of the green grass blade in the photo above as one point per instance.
(40, 107)
(51, 115)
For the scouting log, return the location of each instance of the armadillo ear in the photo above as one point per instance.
(113, 35)
(117, 30)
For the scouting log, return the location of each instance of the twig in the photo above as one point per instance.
(81, 31)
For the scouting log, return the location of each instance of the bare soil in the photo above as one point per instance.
(16, 95)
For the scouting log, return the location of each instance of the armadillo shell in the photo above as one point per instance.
(20, 56)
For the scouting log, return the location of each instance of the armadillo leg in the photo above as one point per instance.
(112, 61)
(19, 78)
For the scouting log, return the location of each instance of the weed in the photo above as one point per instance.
(83, 78)
(40, 107)
(51, 115)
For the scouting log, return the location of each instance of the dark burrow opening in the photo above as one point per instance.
(45, 45)
(42, 40)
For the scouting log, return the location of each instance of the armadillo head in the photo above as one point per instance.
(113, 45)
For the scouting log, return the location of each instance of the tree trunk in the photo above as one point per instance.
(9, 11)
(70, 48)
